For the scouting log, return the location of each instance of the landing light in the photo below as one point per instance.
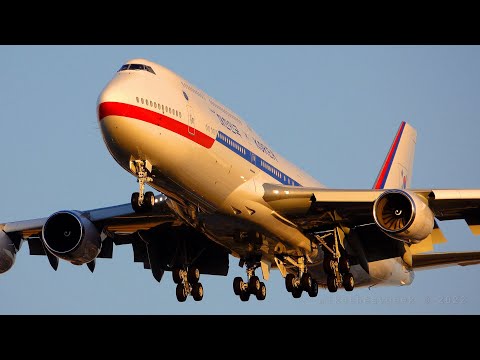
(287, 192)
(275, 191)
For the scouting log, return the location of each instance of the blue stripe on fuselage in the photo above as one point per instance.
(254, 159)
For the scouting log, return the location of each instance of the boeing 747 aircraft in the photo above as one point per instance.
(223, 192)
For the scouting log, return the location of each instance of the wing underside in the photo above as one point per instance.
(315, 209)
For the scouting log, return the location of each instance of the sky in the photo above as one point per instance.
(332, 110)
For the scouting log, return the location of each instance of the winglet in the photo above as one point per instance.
(396, 171)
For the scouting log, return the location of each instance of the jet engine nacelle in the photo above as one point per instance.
(403, 216)
(7, 252)
(71, 236)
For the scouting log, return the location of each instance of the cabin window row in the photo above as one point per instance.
(225, 111)
(193, 90)
(233, 144)
(164, 108)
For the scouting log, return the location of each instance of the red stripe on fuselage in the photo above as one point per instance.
(120, 109)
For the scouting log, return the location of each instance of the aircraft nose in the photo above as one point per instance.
(110, 95)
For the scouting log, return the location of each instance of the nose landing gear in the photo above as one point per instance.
(142, 201)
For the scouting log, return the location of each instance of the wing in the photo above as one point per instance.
(372, 213)
(155, 236)
(313, 208)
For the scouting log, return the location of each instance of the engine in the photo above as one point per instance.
(403, 216)
(7, 252)
(71, 236)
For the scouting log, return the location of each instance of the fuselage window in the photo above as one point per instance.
(163, 109)
(169, 110)
(155, 105)
(138, 100)
(176, 112)
(180, 113)
(151, 103)
(142, 100)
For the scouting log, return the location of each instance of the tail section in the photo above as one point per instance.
(396, 171)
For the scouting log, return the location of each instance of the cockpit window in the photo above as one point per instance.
(136, 67)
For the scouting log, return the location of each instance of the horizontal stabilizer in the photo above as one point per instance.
(444, 259)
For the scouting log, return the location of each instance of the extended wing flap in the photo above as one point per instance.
(454, 204)
(36, 247)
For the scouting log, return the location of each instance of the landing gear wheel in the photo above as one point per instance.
(193, 275)
(289, 282)
(329, 264)
(134, 201)
(148, 200)
(254, 285)
(332, 283)
(306, 281)
(181, 293)
(244, 295)
(176, 275)
(238, 285)
(262, 292)
(297, 293)
(197, 292)
(343, 265)
(313, 291)
(348, 282)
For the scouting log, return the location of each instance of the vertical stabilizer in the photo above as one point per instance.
(396, 171)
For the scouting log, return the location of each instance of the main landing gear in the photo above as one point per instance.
(336, 264)
(301, 281)
(187, 281)
(253, 285)
(142, 201)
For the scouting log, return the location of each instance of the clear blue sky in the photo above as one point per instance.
(333, 110)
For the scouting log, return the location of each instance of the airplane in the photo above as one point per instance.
(224, 193)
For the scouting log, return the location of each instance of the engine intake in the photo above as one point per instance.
(403, 216)
(71, 236)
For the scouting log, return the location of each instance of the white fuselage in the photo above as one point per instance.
(206, 159)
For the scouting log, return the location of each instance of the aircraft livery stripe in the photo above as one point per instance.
(254, 159)
(152, 117)
(383, 175)
(121, 109)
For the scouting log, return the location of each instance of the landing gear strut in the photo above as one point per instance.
(253, 286)
(187, 283)
(142, 201)
(336, 264)
(302, 281)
